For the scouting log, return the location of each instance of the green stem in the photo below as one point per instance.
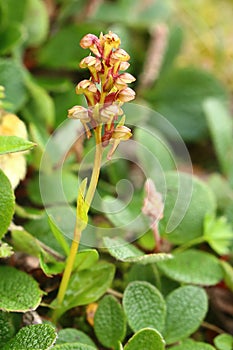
(189, 244)
(96, 167)
(77, 233)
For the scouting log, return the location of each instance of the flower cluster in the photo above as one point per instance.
(107, 89)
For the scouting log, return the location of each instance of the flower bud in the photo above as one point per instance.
(92, 42)
(123, 79)
(94, 66)
(119, 55)
(91, 61)
(85, 86)
(109, 41)
(89, 89)
(108, 113)
(126, 95)
(121, 133)
(88, 40)
(124, 65)
(79, 112)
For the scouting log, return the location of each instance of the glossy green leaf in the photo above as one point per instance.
(64, 100)
(123, 251)
(144, 306)
(50, 56)
(146, 338)
(221, 128)
(58, 234)
(19, 291)
(223, 342)
(16, 16)
(23, 241)
(87, 286)
(190, 344)
(153, 152)
(185, 267)
(10, 144)
(109, 322)
(72, 335)
(173, 48)
(73, 346)
(219, 234)
(7, 328)
(125, 217)
(37, 25)
(148, 273)
(11, 37)
(39, 107)
(221, 189)
(85, 259)
(55, 187)
(179, 96)
(139, 15)
(188, 200)
(51, 266)
(228, 274)
(7, 202)
(12, 78)
(186, 309)
(39, 336)
(40, 229)
(119, 346)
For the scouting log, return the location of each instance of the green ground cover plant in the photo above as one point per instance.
(116, 222)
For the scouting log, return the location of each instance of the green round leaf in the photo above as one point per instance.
(153, 147)
(11, 37)
(40, 107)
(228, 274)
(109, 322)
(7, 203)
(39, 336)
(87, 286)
(12, 78)
(149, 14)
(186, 309)
(56, 188)
(193, 266)
(146, 338)
(19, 291)
(7, 328)
(50, 54)
(195, 201)
(36, 21)
(72, 335)
(192, 345)
(179, 96)
(73, 346)
(123, 251)
(221, 130)
(224, 342)
(144, 306)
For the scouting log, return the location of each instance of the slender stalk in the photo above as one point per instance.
(189, 244)
(96, 167)
(77, 233)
